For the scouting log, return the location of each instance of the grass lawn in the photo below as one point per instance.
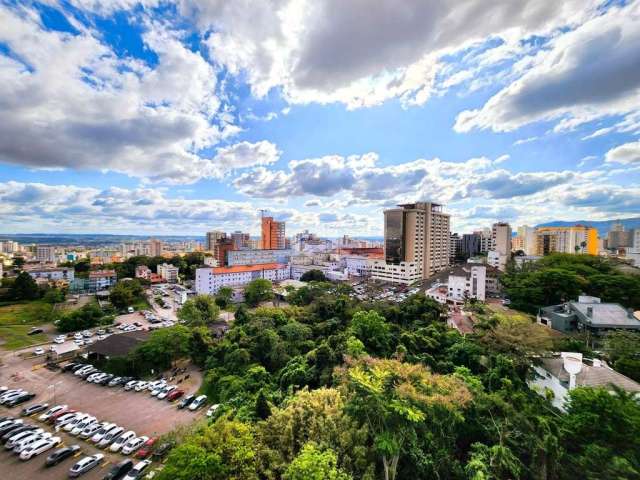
(507, 312)
(26, 313)
(17, 319)
(14, 337)
(140, 304)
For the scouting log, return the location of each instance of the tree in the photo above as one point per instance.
(18, 263)
(518, 337)
(199, 343)
(372, 330)
(394, 399)
(88, 316)
(200, 310)
(314, 275)
(125, 293)
(315, 464)
(263, 410)
(188, 461)
(600, 434)
(319, 416)
(24, 288)
(53, 295)
(224, 296)
(257, 291)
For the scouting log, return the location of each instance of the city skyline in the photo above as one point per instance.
(147, 117)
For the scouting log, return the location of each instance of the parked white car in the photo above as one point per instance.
(99, 435)
(122, 440)
(39, 447)
(73, 423)
(110, 437)
(79, 428)
(21, 436)
(131, 384)
(92, 429)
(141, 386)
(134, 444)
(136, 471)
(166, 391)
(197, 403)
(26, 442)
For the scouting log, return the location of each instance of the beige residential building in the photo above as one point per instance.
(416, 243)
(528, 240)
(574, 239)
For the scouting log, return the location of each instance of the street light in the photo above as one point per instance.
(53, 386)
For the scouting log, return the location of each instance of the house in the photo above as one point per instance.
(588, 314)
(556, 376)
(102, 279)
(457, 284)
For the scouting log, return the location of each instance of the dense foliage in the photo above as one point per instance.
(126, 293)
(85, 317)
(561, 277)
(331, 388)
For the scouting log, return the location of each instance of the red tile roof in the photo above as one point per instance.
(247, 268)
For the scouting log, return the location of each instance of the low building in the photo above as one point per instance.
(102, 279)
(57, 274)
(210, 280)
(403, 272)
(557, 375)
(588, 314)
(116, 345)
(497, 260)
(143, 272)
(522, 260)
(458, 284)
(256, 257)
(168, 272)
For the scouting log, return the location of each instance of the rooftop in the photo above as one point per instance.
(605, 314)
(102, 273)
(247, 268)
(118, 344)
(590, 375)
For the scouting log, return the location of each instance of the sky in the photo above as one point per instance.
(157, 117)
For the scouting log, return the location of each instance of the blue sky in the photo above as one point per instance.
(180, 117)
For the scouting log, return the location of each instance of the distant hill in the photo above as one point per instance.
(603, 226)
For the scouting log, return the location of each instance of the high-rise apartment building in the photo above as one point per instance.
(575, 239)
(416, 243)
(220, 249)
(455, 247)
(240, 240)
(618, 237)
(528, 239)
(501, 238)
(500, 250)
(155, 247)
(484, 236)
(273, 234)
(470, 244)
(46, 253)
(212, 238)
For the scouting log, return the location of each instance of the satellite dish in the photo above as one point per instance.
(572, 365)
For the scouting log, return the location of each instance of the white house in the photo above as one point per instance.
(556, 376)
(168, 272)
(462, 283)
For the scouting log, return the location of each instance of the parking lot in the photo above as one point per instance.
(136, 411)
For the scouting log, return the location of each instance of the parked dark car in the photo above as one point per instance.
(184, 403)
(35, 408)
(16, 429)
(118, 471)
(35, 331)
(106, 379)
(25, 397)
(61, 454)
(162, 450)
(70, 366)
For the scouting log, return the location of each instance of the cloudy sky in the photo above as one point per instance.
(125, 116)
